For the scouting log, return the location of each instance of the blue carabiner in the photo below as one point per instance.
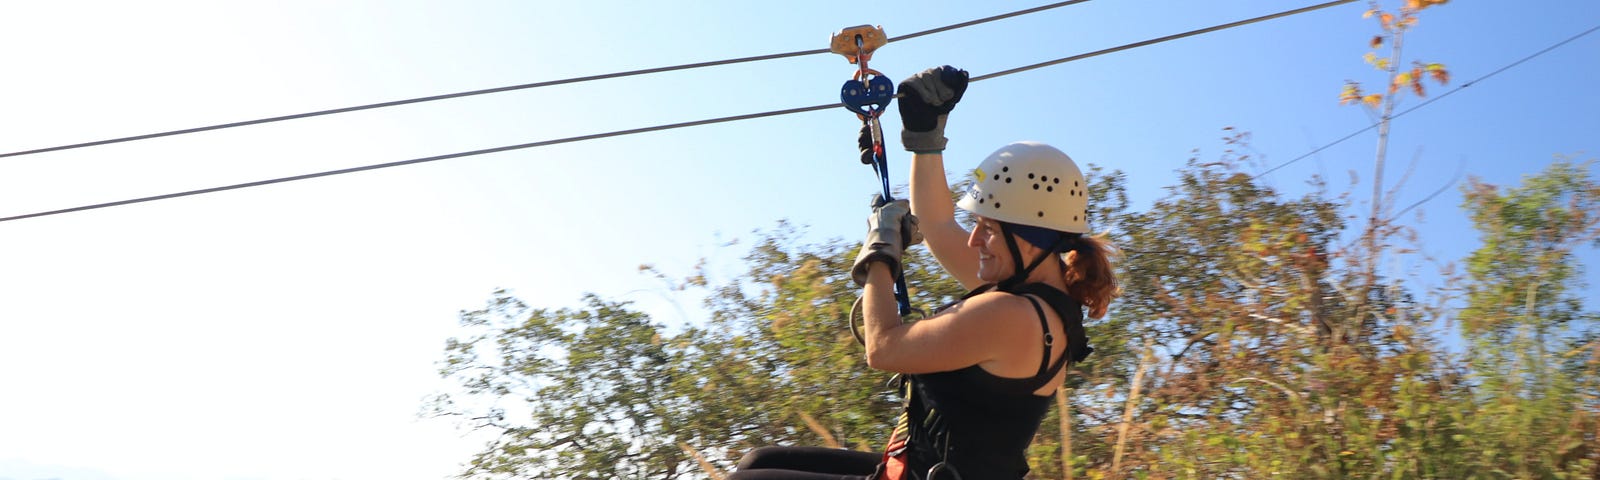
(860, 97)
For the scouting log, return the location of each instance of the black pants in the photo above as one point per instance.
(806, 463)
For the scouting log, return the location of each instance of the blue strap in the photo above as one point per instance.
(880, 165)
(868, 100)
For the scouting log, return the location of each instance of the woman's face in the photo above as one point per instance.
(994, 260)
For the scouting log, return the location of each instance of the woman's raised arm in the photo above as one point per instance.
(925, 103)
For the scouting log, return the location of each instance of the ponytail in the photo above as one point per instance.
(1089, 275)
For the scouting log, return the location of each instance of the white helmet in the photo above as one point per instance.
(1030, 183)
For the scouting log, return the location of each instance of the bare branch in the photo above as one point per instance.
(1394, 192)
(1133, 401)
(1193, 340)
(1453, 179)
(1065, 410)
(1301, 329)
(711, 470)
(1292, 394)
(821, 431)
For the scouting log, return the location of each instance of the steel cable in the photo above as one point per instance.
(524, 86)
(648, 129)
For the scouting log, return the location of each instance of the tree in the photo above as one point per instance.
(1393, 29)
(589, 389)
(604, 392)
(1268, 353)
(1532, 357)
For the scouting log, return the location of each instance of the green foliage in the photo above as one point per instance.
(589, 383)
(603, 392)
(1527, 371)
(1524, 274)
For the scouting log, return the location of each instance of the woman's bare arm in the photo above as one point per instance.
(931, 203)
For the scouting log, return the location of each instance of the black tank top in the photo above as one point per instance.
(979, 424)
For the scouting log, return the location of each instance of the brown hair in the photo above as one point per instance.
(1089, 275)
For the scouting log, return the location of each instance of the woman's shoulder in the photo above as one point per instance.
(993, 308)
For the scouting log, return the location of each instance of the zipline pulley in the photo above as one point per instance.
(857, 43)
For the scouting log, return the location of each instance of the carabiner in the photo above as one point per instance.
(858, 319)
(942, 467)
(867, 98)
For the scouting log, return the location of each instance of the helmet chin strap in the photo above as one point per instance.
(1020, 276)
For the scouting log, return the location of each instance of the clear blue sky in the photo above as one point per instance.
(290, 331)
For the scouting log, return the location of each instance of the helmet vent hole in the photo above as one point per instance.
(1058, 180)
(1041, 214)
(1048, 188)
(1074, 183)
(1030, 176)
(991, 196)
(1005, 169)
(996, 204)
(1008, 179)
(1035, 186)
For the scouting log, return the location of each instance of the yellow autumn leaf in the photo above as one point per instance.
(1372, 100)
(1370, 58)
(1386, 20)
(1368, 14)
(1350, 94)
(1400, 80)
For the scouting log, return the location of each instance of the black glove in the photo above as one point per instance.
(890, 230)
(929, 97)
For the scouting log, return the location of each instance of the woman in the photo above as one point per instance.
(980, 372)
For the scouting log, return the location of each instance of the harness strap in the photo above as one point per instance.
(1071, 312)
(1049, 341)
